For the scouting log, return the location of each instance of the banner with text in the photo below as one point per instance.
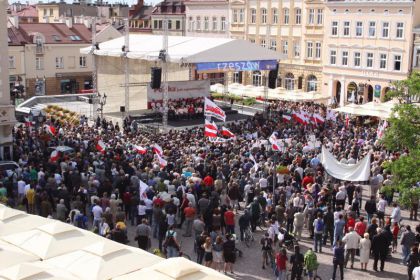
(179, 90)
(247, 65)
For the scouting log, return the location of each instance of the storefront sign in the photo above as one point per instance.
(179, 90)
(236, 66)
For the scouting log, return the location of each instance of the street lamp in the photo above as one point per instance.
(37, 116)
(101, 99)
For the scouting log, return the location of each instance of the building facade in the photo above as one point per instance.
(7, 111)
(292, 27)
(207, 18)
(416, 49)
(140, 17)
(49, 54)
(369, 44)
(174, 12)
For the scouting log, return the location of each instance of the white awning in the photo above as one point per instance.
(183, 49)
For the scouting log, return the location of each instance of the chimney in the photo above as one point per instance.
(69, 22)
(15, 21)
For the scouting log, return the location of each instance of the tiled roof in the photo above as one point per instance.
(28, 12)
(143, 13)
(58, 33)
(16, 38)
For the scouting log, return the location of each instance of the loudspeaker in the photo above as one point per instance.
(156, 77)
(90, 101)
(122, 109)
(272, 77)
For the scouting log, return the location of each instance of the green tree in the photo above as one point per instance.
(403, 133)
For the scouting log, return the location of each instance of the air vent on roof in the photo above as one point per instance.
(75, 38)
(56, 38)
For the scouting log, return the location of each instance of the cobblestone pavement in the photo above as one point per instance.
(249, 266)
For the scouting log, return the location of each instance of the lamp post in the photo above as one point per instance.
(37, 116)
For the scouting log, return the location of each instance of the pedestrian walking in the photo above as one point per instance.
(297, 261)
(364, 246)
(351, 240)
(413, 261)
(380, 244)
(208, 252)
(339, 228)
(143, 234)
(408, 239)
(267, 250)
(338, 259)
(281, 264)
(311, 263)
(229, 253)
(318, 231)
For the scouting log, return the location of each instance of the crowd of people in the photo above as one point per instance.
(213, 193)
(180, 109)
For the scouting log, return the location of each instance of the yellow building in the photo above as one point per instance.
(294, 28)
(368, 44)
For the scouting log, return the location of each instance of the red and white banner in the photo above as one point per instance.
(101, 147)
(212, 110)
(140, 149)
(274, 142)
(179, 90)
(381, 129)
(54, 155)
(157, 149)
(210, 129)
(347, 120)
(318, 118)
(227, 133)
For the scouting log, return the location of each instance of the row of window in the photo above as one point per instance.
(368, 62)
(313, 49)
(315, 16)
(158, 24)
(59, 62)
(206, 25)
(370, 29)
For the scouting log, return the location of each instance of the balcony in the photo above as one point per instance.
(39, 49)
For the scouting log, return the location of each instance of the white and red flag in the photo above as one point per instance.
(51, 129)
(210, 129)
(212, 110)
(226, 132)
(318, 118)
(54, 155)
(300, 118)
(347, 120)
(157, 149)
(162, 162)
(331, 115)
(286, 118)
(140, 149)
(101, 147)
(274, 142)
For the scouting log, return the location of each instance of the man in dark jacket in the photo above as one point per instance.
(380, 244)
(329, 226)
(370, 208)
(244, 222)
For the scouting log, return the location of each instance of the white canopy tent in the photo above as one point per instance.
(187, 50)
(49, 249)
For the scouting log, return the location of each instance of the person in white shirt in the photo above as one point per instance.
(352, 240)
(21, 189)
(263, 183)
(97, 214)
(381, 206)
(396, 213)
(416, 273)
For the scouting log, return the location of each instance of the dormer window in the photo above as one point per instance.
(56, 38)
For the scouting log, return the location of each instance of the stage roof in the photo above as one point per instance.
(186, 49)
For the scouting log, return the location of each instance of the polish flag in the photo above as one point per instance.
(210, 129)
(140, 149)
(157, 149)
(54, 155)
(226, 132)
(347, 120)
(162, 162)
(331, 116)
(274, 142)
(28, 123)
(319, 119)
(381, 130)
(51, 129)
(101, 147)
(300, 118)
(286, 118)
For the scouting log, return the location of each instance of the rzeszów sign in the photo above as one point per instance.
(248, 65)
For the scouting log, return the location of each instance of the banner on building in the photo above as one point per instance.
(179, 90)
(247, 65)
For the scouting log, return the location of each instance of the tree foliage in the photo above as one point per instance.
(407, 89)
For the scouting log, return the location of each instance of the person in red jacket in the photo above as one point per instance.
(360, 226)
(308, 179)
(208, 181)
(281, 261)
(230, 220)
